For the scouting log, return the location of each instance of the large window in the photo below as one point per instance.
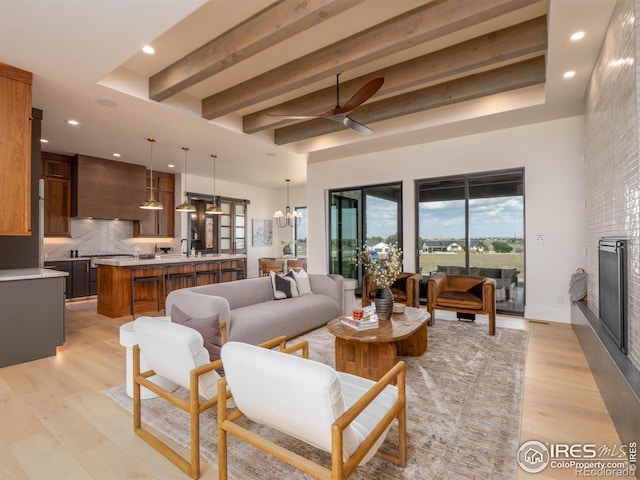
(301, 234)
(474, 224)
(369, 214)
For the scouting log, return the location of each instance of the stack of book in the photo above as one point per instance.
(361, 319)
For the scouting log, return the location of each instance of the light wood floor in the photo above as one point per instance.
(56, 424)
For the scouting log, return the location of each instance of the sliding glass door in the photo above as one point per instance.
(368, 214)
(474, 224)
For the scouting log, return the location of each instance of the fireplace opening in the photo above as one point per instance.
(612, 271)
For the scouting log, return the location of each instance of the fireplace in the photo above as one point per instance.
(612, 271)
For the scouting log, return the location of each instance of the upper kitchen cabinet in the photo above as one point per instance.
(106, 189)
(158, 223)
(15, 151)
(56, 171)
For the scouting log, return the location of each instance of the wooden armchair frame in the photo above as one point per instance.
(297, 265)
(194, 406)
(267, 266)
(340, 470)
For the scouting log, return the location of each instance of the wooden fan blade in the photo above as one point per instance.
(362, 95)
(358, 127)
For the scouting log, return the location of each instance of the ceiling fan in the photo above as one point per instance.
(340, 113)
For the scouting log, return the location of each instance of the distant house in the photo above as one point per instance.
(454, 247)
(381, 248)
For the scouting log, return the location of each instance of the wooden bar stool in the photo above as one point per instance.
(208, 270)
(177, 273)
(238, 269)
(157, 280)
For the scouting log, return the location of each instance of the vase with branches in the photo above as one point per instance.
(384, 271)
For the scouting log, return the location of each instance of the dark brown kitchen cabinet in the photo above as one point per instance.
(56, 170)
(232, 231)
(158, 223)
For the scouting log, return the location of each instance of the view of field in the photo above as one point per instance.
(430, 261)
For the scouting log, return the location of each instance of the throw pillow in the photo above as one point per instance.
(208, 327)
(302, 282)
(454, 271)
(284, 286)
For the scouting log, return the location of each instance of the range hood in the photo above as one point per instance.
(107, 189)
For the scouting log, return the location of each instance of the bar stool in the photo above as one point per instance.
(238, 269)
(170, 276)
(157, 280)
(209, 270)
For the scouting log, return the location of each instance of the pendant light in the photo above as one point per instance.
(290, 218)
(151, 204)
(185, 206)
(215, 208)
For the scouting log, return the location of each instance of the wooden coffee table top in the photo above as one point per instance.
(401, 326)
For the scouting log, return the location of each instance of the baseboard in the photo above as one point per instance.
(617, 378)
(549, 314)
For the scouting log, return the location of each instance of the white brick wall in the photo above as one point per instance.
(611, 158)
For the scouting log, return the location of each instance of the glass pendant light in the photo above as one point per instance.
(185, 206)
(151, 204)
(215, 208)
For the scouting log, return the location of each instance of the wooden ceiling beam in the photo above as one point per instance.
(432, 20)
(275, 23)
(503, 79)
(525, 39)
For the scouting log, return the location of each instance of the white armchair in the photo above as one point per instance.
(177, 353)
(345, 415)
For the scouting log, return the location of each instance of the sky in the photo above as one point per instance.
(488, 218)
(499, 217)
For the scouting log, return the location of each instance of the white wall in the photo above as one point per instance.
(550, 152)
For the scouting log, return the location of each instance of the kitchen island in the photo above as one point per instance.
(177, 271)
(32, 321)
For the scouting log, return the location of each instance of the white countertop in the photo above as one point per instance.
(166, 259)
(13, 274)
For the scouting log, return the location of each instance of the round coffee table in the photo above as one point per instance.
(371, 353)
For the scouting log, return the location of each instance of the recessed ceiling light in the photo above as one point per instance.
(116, 154)
(569, 74)
(577, 36)
(73, 122)
(171, 165)
(148, 49)
(44, 140)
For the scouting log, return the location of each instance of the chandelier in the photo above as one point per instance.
(290, 218)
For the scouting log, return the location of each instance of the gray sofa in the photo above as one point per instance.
(251, 313)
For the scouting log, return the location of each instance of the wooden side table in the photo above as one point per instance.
(372, 353)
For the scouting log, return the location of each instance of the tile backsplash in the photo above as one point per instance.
(92, 236)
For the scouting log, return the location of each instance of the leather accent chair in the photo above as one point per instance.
(464, 294)
(406, 289)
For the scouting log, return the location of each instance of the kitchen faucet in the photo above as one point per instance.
(185, 240)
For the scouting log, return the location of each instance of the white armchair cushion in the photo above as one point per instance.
(173, 350)
(300, 397)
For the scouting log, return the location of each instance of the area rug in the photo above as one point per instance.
(464, 403)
